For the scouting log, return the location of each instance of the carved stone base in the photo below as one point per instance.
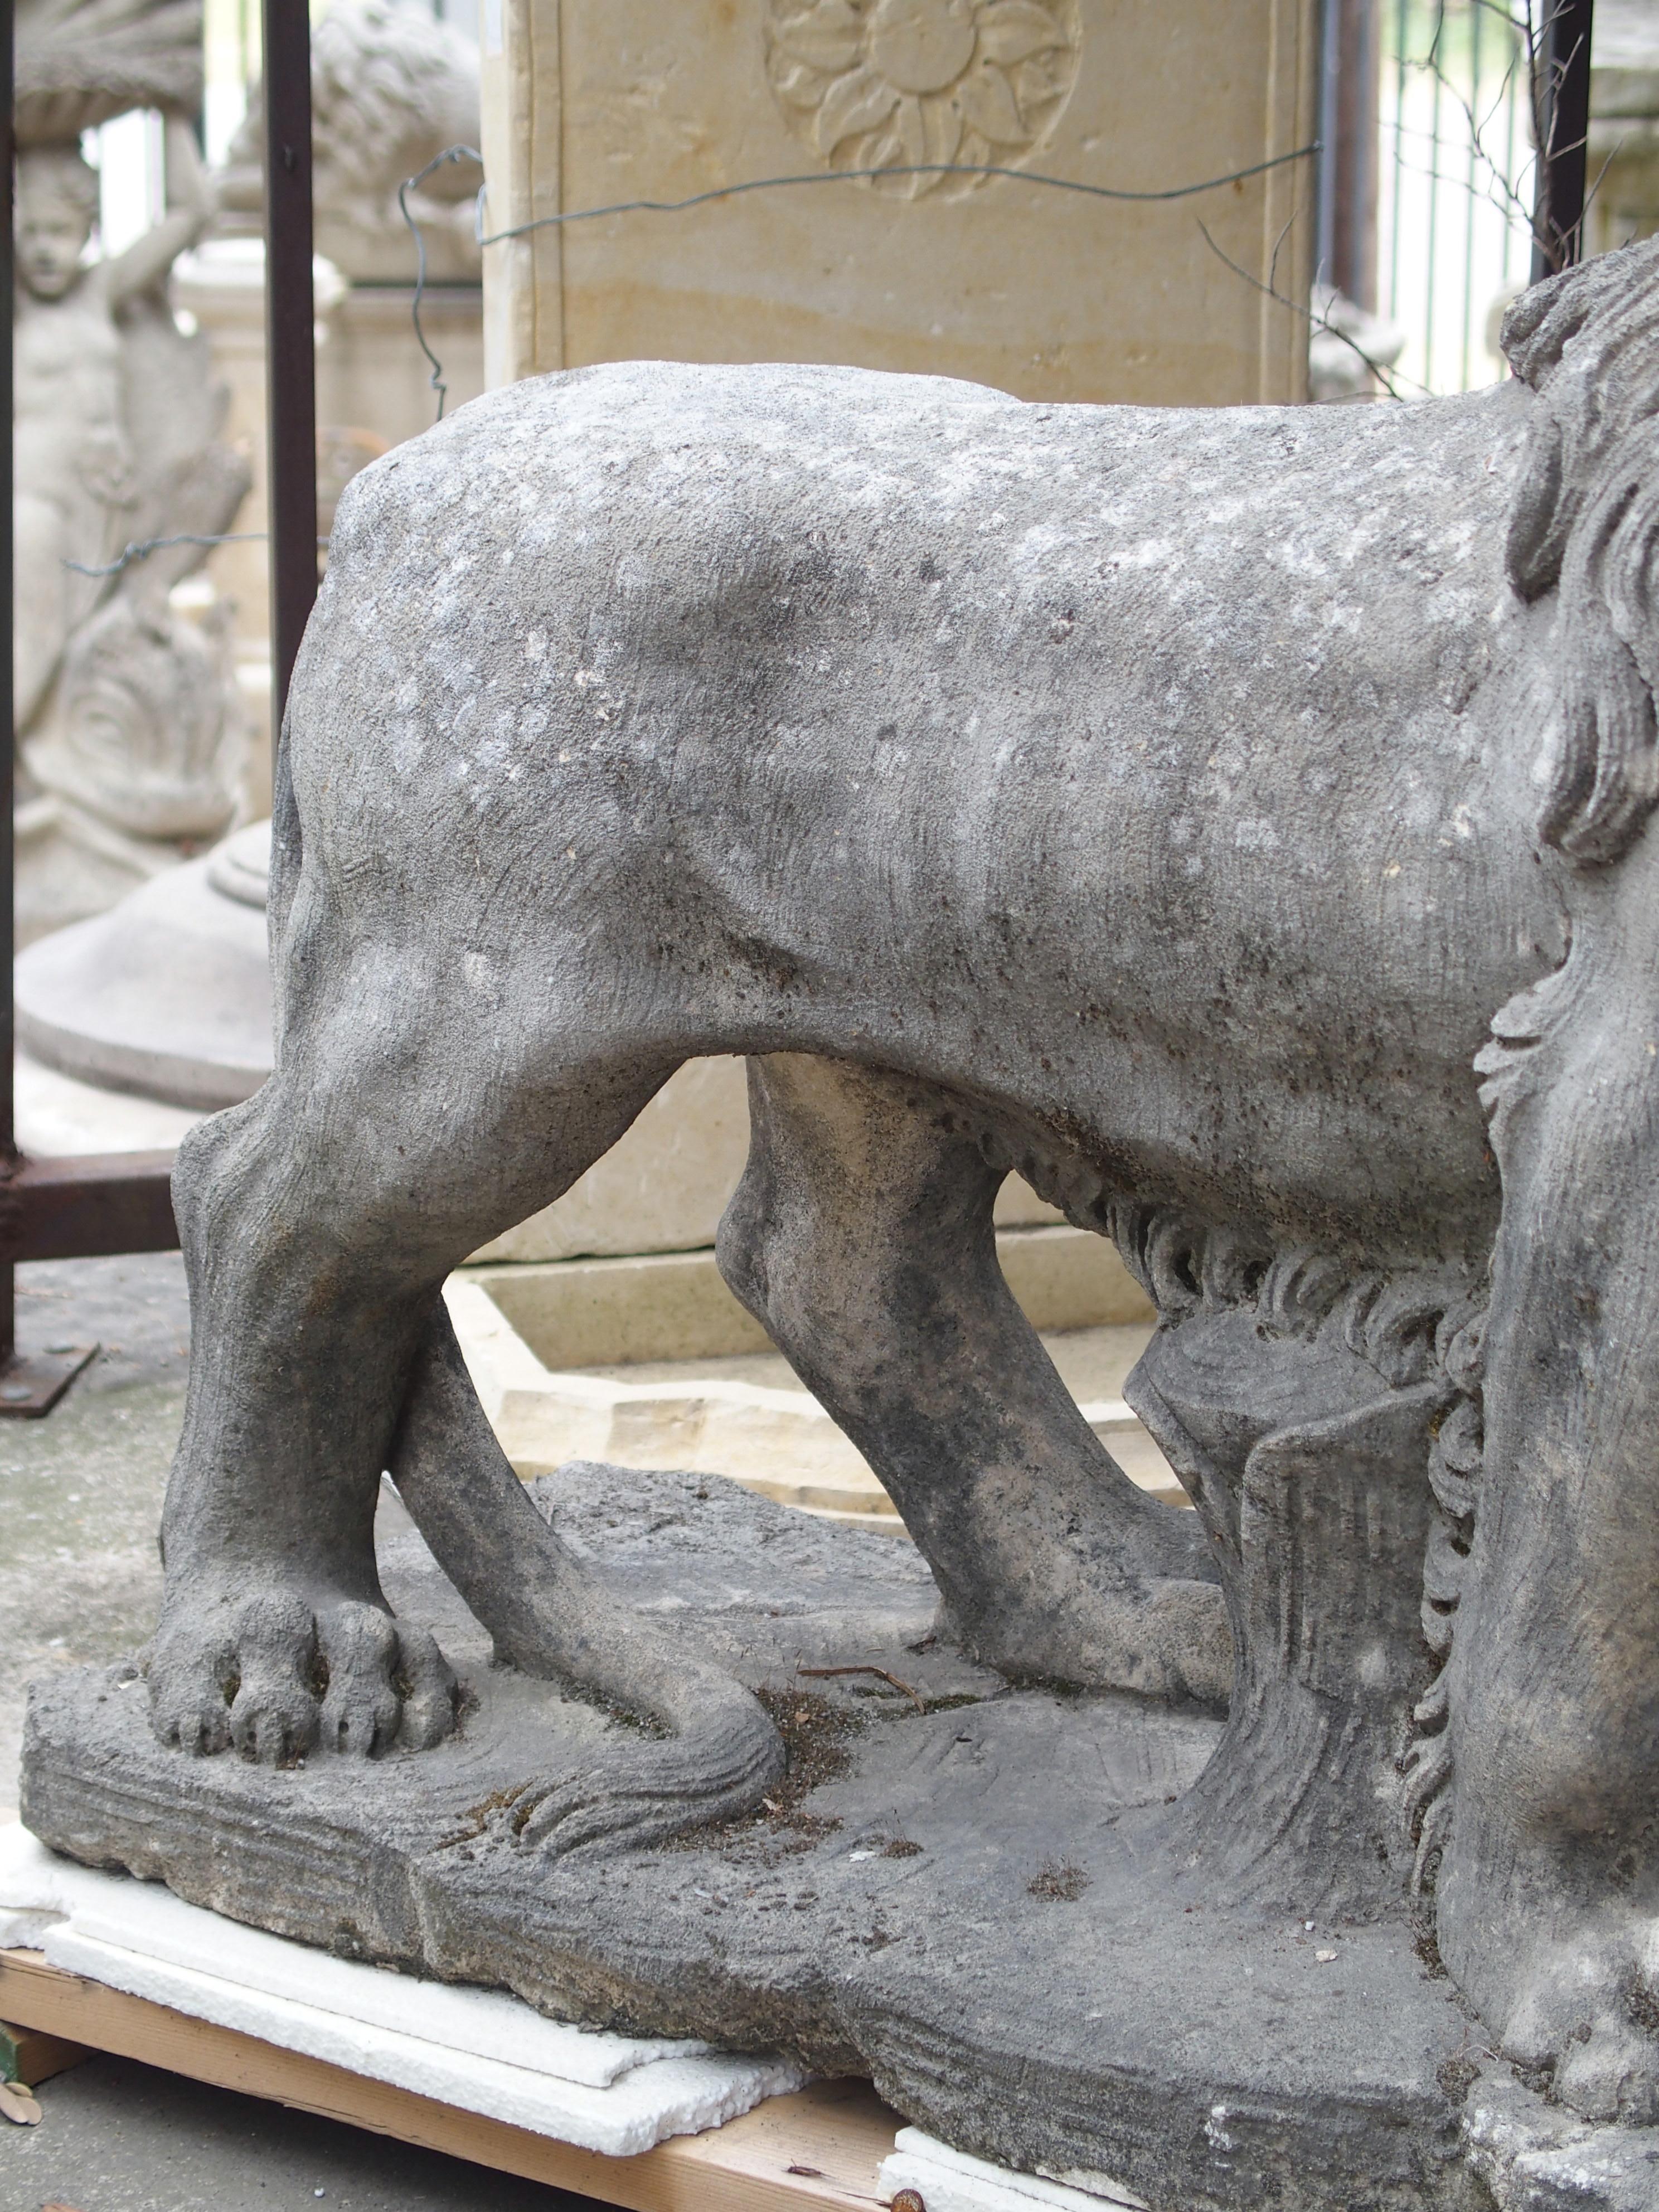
(985, 1903)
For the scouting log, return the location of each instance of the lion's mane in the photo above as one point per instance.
(1586, 524)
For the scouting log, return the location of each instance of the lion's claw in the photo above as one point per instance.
(277, 1677)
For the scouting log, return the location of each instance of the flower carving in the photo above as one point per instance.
(873, 84)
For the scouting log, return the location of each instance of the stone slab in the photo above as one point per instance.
(45, 1897)
(473, 2049)
(1051, 295)
(981, 1903)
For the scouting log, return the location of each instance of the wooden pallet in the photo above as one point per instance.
(817, 2151)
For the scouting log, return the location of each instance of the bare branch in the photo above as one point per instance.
(1314, 321)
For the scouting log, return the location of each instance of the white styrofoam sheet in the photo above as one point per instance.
(478, 2050)
(950, 2180)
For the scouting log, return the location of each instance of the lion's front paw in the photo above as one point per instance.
(278, 1676)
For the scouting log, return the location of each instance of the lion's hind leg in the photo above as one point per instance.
(550, 1616)
(861, 1236)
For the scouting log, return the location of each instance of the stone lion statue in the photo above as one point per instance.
(1239, 822)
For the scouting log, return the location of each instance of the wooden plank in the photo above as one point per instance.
(36, 2057)
(834, 2134)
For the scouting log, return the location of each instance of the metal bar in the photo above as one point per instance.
(1361, 136)
(92, 1206)
(1400, 36)
(290, 317)
(1564, 67)
(1434, 205)
(1512, 100)
(1469, 309)
(8, 745)
(1327, 182)
(1345, 248)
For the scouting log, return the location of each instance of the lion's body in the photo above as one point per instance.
(1165, 803)
(1066, 756)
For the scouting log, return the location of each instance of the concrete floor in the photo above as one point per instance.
(81, 1491)
(116, 2136)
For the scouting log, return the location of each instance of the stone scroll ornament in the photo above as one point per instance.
(1239, 822)
(126, 704)
(916, 84)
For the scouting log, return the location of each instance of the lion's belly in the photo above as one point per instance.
(1303, 1064)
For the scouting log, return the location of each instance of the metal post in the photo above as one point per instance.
(8, 748)
(1561, 108)
(1349, 47)
(1327, 189)
(290, 317)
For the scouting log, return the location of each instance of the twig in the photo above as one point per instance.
(880, 1673)
(1315, 322)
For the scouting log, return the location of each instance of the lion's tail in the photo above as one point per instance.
(552, 1616)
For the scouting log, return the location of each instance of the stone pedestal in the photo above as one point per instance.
(1051, 295)
(167, 994)
(975, 1893)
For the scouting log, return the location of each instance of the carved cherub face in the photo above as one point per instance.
(57, 206)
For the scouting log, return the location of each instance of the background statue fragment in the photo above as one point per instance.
(390, 90)
(126, 709)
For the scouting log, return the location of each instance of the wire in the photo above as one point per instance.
(435, 381)
(908, 169)
(129, 554)
(143, 551)
(768, 183)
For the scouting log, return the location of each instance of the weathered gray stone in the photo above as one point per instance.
(958, 1906)
(1180, 808)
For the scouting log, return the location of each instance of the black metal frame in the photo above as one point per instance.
(81, 1208)
(1561, 108)
(1344, 250)
(290, 358)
